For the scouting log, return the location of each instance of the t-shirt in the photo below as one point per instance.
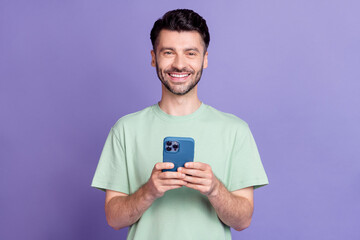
(135, 144)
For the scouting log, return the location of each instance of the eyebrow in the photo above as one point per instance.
(173, 49)
(166, 48)
(192, 49)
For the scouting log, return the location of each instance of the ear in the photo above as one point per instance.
(205, 62)
(153, 58)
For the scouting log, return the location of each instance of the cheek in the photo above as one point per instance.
(197, 66)
(163, 65)
(197, 63)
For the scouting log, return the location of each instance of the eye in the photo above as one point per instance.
(192, 54)
(167, 53)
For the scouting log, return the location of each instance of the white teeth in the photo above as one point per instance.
(179, 75)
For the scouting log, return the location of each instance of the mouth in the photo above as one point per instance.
(179, 77)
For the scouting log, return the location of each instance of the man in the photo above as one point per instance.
(206, 197)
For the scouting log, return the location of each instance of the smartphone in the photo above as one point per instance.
(178, 150)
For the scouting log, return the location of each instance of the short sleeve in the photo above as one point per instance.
(246, 167)
(111, 172)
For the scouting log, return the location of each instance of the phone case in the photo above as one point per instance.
(178, 150)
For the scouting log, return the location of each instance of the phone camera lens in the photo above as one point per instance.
(168, 143)
(168, 149)
(175, 146)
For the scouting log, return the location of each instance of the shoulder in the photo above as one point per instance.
(133, 119)
(229, 119)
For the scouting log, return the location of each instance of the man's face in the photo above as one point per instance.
(179, 60)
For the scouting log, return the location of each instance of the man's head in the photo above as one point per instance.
(180, 40)
(181, 20)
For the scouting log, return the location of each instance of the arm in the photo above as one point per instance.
(123, 210)
(233, 208)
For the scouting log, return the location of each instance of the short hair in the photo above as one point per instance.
(181, 20)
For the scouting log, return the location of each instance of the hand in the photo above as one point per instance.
(160, 182)
(199, 176)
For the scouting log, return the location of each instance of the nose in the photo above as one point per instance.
(179, 62)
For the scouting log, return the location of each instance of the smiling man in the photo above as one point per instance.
(182, 56)
(207, 196)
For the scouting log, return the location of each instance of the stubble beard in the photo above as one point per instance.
(161, 75)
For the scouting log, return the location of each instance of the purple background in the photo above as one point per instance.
(70, 69)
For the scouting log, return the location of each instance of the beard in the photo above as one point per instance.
(184, 89)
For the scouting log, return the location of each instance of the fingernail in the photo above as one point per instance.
(182, 175)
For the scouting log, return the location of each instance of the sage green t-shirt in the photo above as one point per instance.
(135, 144)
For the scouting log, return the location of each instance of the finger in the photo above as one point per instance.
(193, 172)
(195, 186)
(197, 165)
(196, 180)
(167, 175)
(172, 182)
(163, 165)
(172, 187)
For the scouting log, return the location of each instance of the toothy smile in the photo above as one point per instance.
(178, 75)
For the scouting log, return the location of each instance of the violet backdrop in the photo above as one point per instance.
(70, 69)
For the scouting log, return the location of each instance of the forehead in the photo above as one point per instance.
(179, 40)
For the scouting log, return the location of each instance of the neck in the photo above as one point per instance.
(179, 105)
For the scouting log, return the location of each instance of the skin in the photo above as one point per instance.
(180, 53)
(181, 57)
(188, 60)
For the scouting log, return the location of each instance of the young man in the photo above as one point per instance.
(206, 197)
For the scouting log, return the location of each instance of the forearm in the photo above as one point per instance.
(123, 211)
(234, 211)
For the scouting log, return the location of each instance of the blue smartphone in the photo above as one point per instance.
(178, 150)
